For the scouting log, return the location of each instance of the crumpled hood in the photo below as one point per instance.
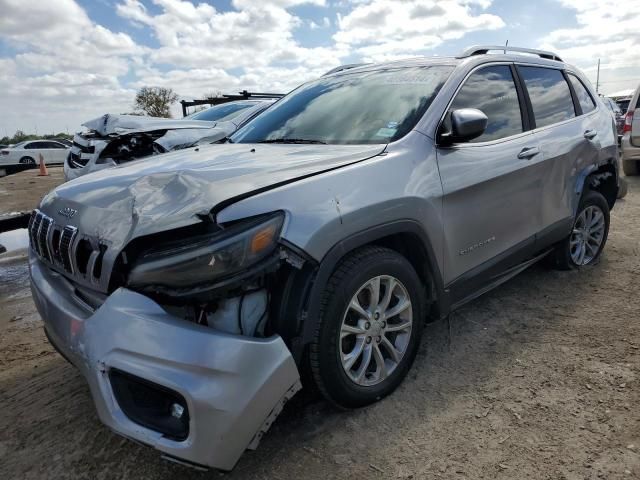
(173, 190)
(122, 124)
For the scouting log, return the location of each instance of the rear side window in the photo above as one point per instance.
(493, 91)
(549, 93)
(584, 98)
(221, 113)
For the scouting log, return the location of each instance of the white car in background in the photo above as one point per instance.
(114, 139)
(29, 152)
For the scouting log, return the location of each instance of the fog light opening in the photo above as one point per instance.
(153, 406)
(177, 410)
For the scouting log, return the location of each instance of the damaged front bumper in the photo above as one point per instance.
(232, 386)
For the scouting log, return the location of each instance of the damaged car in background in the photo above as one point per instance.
(193, 289)
(111, 140)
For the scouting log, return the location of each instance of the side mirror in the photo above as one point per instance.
(466, 124)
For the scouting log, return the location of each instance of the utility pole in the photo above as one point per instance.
(598, 78)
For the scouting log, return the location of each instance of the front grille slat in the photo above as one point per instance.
(64, 248)
(35, 231)
(43, 238)
(66, 245)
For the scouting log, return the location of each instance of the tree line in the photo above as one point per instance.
(152, 101)
(20, 136)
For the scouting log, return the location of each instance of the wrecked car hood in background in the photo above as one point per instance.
(176, 139)
(179, 188)
(122, 124)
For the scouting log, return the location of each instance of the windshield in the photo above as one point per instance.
(355, 108)
(221, 113)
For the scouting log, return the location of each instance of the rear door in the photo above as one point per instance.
(568, 140)
(491, 184)
(58, 151)
(34, 149)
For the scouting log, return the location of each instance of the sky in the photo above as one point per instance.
(63, 62)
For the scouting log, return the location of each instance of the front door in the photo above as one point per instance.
(491, 185)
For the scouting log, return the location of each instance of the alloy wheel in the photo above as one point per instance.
(587, 235)
(375, 330)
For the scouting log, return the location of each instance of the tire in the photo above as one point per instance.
(338, 370)
(623, 187)
(28, 160)
(568, 253)
(630, 167)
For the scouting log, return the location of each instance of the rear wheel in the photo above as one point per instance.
(623, 187)
(588, 236)
(371, 321)
(631, 167)
(28, 160)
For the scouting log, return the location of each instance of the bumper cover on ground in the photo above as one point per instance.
(234, 386)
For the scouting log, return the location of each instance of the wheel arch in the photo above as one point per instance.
(602, 178)
(407, 237)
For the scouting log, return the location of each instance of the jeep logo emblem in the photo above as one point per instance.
(67, 212)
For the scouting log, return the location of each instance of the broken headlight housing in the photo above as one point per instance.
(205, 259)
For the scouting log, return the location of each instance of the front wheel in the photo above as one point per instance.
(28, 160)
(588, 235)
(370, 325)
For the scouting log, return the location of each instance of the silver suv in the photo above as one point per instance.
(191, 289)
(631, 137)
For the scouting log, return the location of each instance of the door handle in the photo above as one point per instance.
(529, 152)
(589, 134)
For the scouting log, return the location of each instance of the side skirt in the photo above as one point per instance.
(500, 279)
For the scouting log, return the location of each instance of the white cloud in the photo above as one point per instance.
(324, 24)
(607, 30)
(68, 68)
(387, 29)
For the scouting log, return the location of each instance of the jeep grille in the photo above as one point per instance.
(63, 247)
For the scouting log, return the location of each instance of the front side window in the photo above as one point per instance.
(373, 107)
(493, 91)
(221, 113)
(584, 98)
(549, 93)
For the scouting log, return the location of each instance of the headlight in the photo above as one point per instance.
(200, 260)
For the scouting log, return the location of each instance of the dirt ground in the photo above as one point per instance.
(22, 191)
(538, 379)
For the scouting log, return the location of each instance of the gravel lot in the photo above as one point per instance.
(22, 191)
(538, 379)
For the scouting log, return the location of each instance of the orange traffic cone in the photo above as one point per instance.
(43, 167)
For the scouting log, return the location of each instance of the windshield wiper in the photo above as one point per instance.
(292, 140)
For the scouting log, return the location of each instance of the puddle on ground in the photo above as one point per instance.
(14, 240)
(14, 279)
(14, 267)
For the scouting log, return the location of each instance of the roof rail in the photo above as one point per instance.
(243, 95)
(341, 68)
(483, 49)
